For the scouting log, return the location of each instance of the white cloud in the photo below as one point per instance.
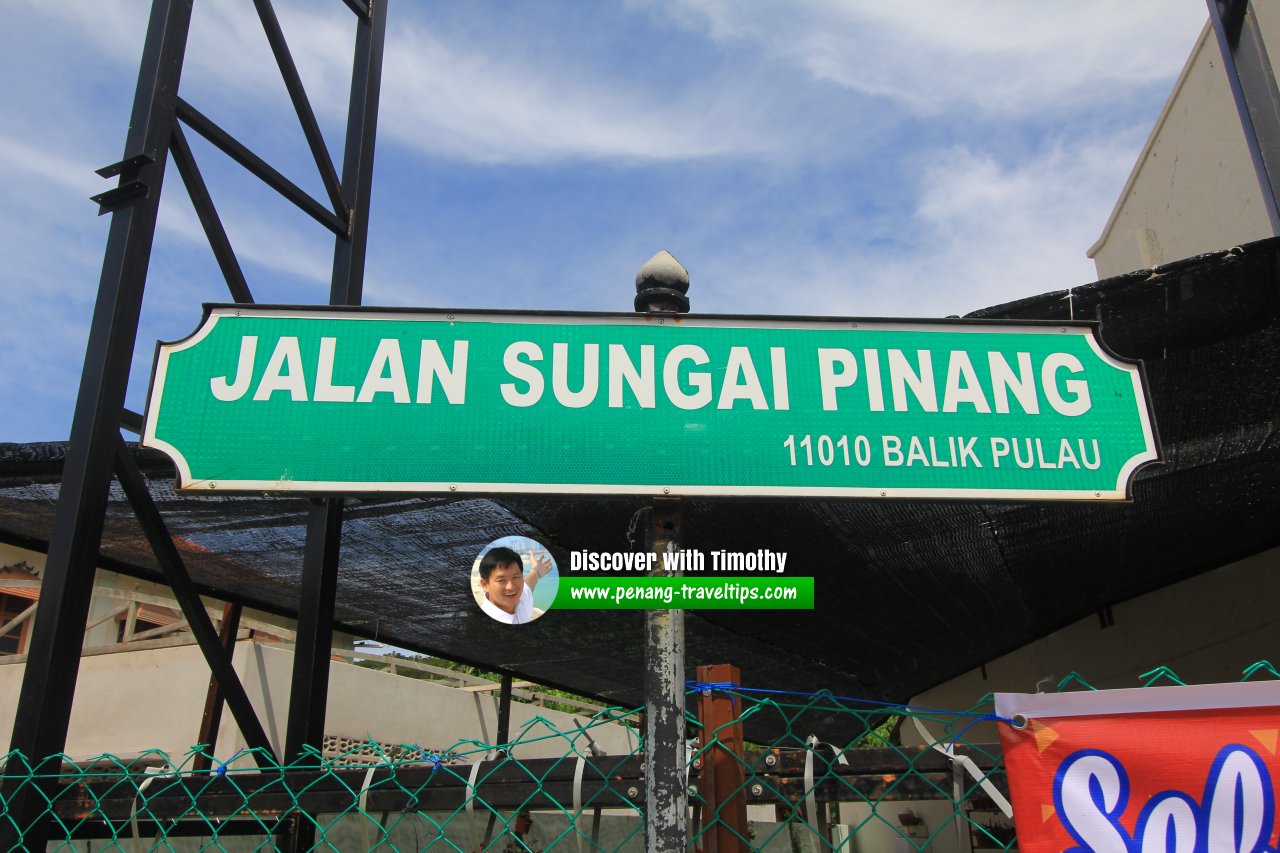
(765, 144)
(471, 103)
(47, 168)
(468, 99)
(999, 57)
(1003, 231)
(475, 97)
(981, 232)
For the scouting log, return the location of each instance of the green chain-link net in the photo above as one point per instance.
(837, 774)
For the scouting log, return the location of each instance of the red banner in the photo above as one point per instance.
(1151, 770)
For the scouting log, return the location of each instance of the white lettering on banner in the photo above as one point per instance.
(386, 373)
(970, 392)
(1090, 793)
(1031, 453)
(524, 371)
(700, 381)
(674, 562)
(1237, 815)
(902, 375)
(639, 380)
(957, 452)
(551, 402)
(229, 393)
(612, 561)
(684, 387)
(284, 372)
(913, 382)
(584, 396)
(875, 393)
(778, 361)
(832, 378)
(690, 379)
(1022, 384)
(453, 380)
(326, 391)
(741, 381)
(1077, 388)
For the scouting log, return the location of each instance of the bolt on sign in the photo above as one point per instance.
(376, 400)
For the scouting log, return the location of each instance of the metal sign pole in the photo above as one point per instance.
(661, 286)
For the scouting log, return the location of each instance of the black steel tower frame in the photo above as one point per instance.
(97, 452)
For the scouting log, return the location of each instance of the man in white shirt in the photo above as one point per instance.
(508, 594)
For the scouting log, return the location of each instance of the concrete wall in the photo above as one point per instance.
(129, 702)
(1193, 189)
(1207, 629)
(880, 831)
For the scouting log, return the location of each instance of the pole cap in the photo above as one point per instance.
(661, 285)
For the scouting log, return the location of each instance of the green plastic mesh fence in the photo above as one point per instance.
(836, 773)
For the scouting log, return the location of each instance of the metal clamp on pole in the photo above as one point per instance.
(129, 190)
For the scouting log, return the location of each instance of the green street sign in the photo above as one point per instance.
(375, 400)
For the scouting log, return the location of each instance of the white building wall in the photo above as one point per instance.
(1193, 189)
(1207, 629)
(130, 702)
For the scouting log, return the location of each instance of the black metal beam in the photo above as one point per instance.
(309, 686)
(185, 160)
(259, 168)
(360, 7)
(44, 705)
(504, 710)
(357, 166)
(131, 421)
(302, 106)
(268, 796)
(308, 694)
(175, 572)
(1253, 86)
(307, 701)
(211, 719)
(262, 798)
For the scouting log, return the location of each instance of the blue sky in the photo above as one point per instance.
(909, 159)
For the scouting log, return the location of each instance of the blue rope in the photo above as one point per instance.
(705, 687)
(985, 718)
(222, 765)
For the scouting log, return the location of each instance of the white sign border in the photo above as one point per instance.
(187, 483)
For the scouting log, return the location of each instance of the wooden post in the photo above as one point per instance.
(212, 718)
(723, 775)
